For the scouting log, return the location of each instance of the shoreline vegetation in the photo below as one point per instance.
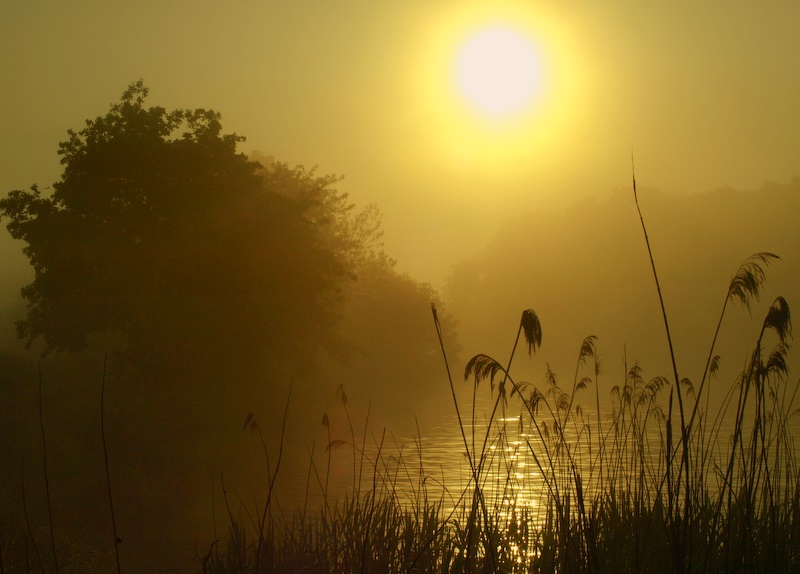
(612, 492)
(613, 502)
(626, 505)
(615, 494)
(652, 488)
(656, 485)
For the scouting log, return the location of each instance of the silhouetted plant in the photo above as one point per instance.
(632, 498)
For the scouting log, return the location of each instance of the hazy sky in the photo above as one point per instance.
(704, 92)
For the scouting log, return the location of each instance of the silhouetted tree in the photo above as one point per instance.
(160, 231)
(397, 360)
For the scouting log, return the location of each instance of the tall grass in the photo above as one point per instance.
(554, 485)
(608, 491)
(552, 482)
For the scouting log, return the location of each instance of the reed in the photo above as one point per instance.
(596, 503)
(608, 491)
(116, 538)
(553, 483)
(47, 478)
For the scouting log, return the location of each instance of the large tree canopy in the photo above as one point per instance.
(217, 276)
(159, 230)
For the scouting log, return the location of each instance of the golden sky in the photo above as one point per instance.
(705, 93)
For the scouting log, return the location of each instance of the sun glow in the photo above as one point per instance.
(499, 86)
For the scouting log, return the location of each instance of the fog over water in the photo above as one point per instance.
(484, 217)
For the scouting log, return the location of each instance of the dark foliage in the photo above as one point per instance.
(159, 230)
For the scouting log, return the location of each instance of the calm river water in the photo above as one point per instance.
(516, 472)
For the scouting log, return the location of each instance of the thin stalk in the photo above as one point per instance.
(46, 478)
(363, 447)
(372, 505)
(327, 424)
(475, 471)
(272, 481)
(684, 437)
(452, 387)
(600, 441)
(751, 270)
(28, 525)
(726, 482)
(500, 397)
(214, 519)
(105, 461)
(308, 483)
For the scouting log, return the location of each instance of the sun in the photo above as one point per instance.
(497, 86)
(497, 71)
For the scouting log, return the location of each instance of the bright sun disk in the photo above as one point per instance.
(497, 71)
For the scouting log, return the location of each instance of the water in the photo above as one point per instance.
(522, 465)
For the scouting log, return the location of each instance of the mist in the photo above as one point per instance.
(421, 201)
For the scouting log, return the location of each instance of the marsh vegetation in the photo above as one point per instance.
(632, 490)
(550, 481)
